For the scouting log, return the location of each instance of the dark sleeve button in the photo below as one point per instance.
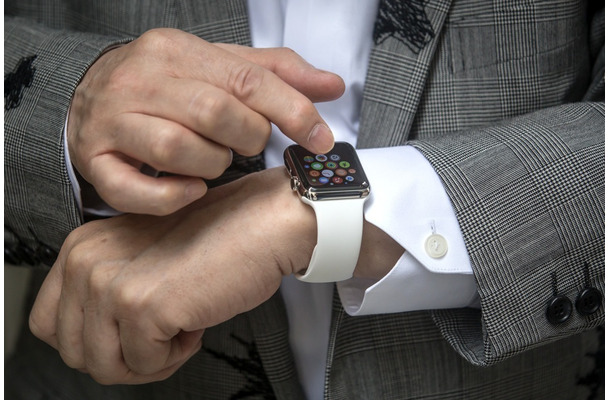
(27, 255)
(588, 301)
(47, 255)
(11, 257)
(558, 310)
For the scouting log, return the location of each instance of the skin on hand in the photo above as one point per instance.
(180, 104)
(129, 298)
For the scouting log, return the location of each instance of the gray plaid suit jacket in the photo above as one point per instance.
(504, 98)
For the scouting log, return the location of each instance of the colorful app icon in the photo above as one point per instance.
(323, 180)
(308, 159)
(349, 178)
(316, 165)
(321, 157)
(327, 173)
(351, 171)
(341, 172)
(331, 165)
(335, 157)
(337, 180)
(344, 164)
(314, 173)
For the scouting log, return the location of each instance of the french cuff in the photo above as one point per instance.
(409, 286)
(409, 203)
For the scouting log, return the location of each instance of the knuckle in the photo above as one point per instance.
(218, 163)
(288, 52)
(254, 148)
(99, 282)
(78, 262)
(164, 201)
(112, 189)
(155, 41)
(301, 112)
(69, 359)
(287, 57)
(245, 80)
(166, 148)
(125, 299)
(256, 137)
(109, 190)
(209, 108)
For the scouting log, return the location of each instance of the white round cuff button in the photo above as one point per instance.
(436, 246)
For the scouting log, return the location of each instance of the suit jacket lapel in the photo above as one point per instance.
(406, 36)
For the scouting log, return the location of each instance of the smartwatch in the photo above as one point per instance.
(335, 186)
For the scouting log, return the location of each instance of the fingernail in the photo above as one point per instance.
(195, 191)
(320, 139)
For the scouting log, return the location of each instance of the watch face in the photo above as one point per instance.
(337, 170)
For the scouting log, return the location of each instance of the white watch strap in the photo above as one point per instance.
(340, 225)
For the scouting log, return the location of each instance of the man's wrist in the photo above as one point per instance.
(290, 224)
(295, 225)
(378, 253)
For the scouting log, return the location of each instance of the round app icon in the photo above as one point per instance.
(327, 173)
(351, 171)
(331, 165)
(341, 172)
(344, 164)
(337, 180)
(314, 173)
(349, 178)
(308, 159)
(317, 165)
(335, 157)
(323, 180)
(321, 157)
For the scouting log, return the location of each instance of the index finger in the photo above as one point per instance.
(293, 113)
(257, 87)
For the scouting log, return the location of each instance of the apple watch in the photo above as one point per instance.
(335, 186)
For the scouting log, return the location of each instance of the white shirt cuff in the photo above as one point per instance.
(409, 203)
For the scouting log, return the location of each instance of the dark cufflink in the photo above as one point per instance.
(588, 301)
(558, 309)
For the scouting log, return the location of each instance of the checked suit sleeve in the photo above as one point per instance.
(528, 193)
(529, 197)
(42, 67)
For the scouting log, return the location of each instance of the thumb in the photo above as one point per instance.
(127, 189)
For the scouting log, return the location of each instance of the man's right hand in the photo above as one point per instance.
(180, 104)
